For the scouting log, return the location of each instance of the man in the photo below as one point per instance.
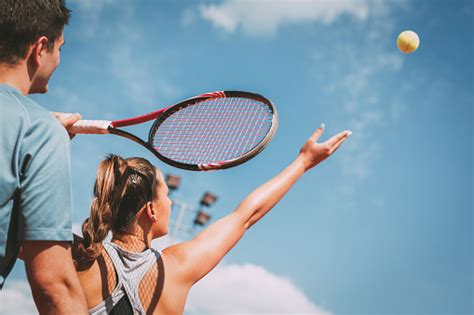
(35, 185)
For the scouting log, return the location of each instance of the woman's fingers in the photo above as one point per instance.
(336, 138)
(315, 136)
(338, 144)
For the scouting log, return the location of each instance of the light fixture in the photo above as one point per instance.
(202, 218)
(208, 199)
(173, 181)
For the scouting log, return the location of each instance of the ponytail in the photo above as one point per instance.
(120, 191)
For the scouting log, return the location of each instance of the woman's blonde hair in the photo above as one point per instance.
(121, 189)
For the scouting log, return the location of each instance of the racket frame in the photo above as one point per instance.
(223, 164)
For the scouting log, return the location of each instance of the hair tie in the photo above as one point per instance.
(134, 178)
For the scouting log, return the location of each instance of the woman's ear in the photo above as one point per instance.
(150, 212)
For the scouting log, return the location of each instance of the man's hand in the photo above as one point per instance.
(67, 120)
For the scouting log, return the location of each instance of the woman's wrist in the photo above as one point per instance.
(302, 162)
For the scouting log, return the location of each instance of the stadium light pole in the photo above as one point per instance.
(201, 217)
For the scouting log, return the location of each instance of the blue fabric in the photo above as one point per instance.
(35, 176)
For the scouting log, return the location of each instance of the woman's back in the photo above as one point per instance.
(125, 280)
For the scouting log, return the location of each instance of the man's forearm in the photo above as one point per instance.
(61, 297)
(54, 283)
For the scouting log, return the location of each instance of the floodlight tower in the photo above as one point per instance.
(201, 217)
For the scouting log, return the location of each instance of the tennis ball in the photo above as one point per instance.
(408, 41)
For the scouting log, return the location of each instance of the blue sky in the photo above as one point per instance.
(382, 227)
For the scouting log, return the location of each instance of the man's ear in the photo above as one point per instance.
(150, 212)
(38, 49)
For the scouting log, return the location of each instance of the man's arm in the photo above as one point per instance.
(54, 283)
(46, 207)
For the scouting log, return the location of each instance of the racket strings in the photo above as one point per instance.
(212, 131)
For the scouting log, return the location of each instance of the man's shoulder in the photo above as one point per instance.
(16, 104)
(19, 111)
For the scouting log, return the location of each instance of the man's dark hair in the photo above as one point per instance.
(22, 22)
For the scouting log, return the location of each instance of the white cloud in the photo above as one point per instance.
(263, 18)
(354, 83)
(242, 289)
(367, 111)
(361, 76)
(16, 298)
(248, 289)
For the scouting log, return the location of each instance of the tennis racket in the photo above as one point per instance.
(211, 131)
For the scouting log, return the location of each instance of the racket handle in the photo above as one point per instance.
(90, 127)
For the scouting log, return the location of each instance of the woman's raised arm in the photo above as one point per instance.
(200, 255)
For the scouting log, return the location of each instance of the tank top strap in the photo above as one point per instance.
(115, 258)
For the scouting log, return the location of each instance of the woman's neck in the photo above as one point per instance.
(133, 242)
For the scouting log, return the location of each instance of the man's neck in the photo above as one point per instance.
(16, 76)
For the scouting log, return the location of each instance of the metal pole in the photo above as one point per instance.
(179, 220)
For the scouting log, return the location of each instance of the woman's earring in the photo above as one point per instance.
(153, 217)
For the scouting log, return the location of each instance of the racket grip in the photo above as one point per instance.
(90, 127)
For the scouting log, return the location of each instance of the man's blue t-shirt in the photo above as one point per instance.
(35, 177)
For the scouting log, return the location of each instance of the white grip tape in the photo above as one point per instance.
(90, 127)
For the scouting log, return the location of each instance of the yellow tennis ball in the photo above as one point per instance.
(408, 41)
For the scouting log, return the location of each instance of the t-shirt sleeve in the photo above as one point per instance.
(45, 182)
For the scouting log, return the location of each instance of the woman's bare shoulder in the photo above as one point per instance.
(98, 279)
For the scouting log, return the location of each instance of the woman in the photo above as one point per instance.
(131, 200)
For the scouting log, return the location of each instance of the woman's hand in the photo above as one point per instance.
(312, 152)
